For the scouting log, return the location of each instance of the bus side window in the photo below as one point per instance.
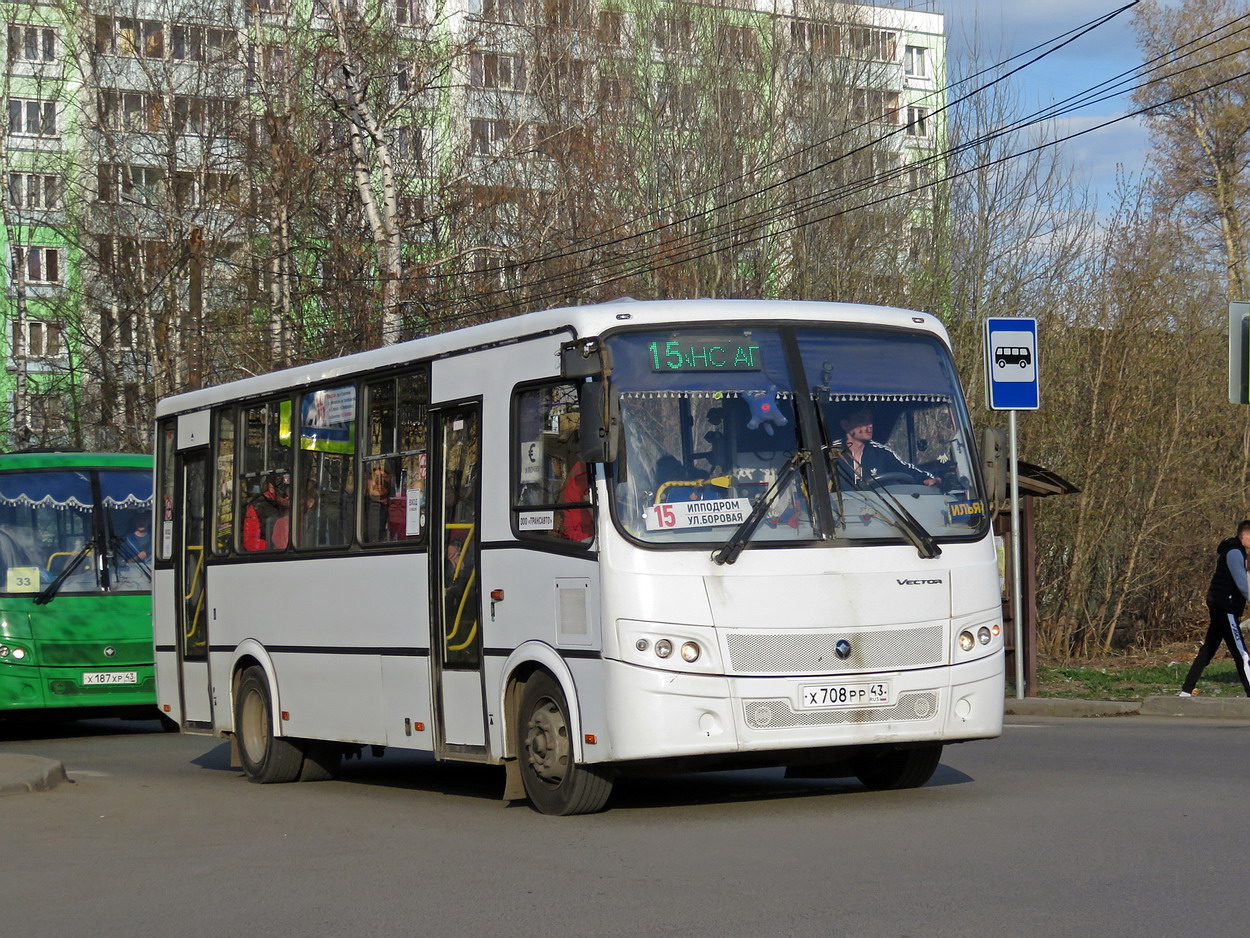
(224, 540)
(265, 478)
(393, 489)
(553, 489)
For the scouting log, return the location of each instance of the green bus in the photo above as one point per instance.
(76, 585)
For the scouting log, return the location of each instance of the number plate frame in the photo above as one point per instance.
(109, 678)
(846, 695)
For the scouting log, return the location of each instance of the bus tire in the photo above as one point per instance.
(891, 769)
(265, 758)
(554, 782)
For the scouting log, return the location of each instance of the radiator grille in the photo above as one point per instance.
(812, 652)
(91, 654)
(779, 714)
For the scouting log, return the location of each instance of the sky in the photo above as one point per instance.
(1016, 25)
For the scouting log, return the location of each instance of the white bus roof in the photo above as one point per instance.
(582, 320)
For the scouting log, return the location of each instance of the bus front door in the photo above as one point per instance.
(456, 617)
(191, 550)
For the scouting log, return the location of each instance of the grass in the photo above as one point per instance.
(1130, 678)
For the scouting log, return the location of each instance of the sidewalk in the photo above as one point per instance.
(28, 773)
(1205, 708)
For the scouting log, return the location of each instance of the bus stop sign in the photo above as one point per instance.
(1011, 364)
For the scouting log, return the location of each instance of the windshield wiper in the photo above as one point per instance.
(129, 556)
(903, 519)
(738, 540)
(50, 591)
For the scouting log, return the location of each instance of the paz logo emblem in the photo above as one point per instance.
(109, 651)
(842, 649)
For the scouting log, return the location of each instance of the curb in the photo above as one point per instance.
(28, 773)
(1234, 708)
(1205, 708)
(1063, 707)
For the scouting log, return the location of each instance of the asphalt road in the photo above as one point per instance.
(1110, 827)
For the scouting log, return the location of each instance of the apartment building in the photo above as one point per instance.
(201, 190)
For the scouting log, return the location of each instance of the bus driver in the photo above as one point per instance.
(859, 454)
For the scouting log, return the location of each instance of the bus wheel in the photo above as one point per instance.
(266, 758)
(555, 783)
(899, 768)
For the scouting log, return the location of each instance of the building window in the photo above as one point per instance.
(918, 122)
(497, 71)
(35, 44)
(34, 190)
(498, 11)
(207, 116)
(487, 137)
(875, 105)
(674, 34)
(129, 37)
(878, 45)
(915, 62)
(37, 339)
(413, 144)
(32, 118)
(39, 265)
(610, 28)
(409, 13)
(117, 184)
(45, 416)
(809, 36)
(130, 111)
(204, 44)
(678, 103)
(741, 43)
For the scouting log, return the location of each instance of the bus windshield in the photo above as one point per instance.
(713, 417)
(80, 530)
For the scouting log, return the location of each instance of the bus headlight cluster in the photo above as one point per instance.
(12, 651)
(984, 635)
(690, 651)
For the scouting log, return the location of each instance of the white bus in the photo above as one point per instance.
(590, 541)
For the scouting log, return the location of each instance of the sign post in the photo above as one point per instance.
(1011, 384)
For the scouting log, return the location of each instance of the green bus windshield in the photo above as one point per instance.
(83, 531)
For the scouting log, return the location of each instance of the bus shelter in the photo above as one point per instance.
(1035, 482)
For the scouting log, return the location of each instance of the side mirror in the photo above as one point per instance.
(585, 358)
(600, 422)
(994, 465)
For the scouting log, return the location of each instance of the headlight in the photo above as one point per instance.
(663, 648)
(983, 635)
(966, 641)
(4, 651)
(690, 652)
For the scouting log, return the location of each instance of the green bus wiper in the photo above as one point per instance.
(50, 591)
(738, 540)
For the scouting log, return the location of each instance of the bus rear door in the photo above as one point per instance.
(456, 616)
(191, 616)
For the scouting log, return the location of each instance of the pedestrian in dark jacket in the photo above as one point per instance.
(1226, 601)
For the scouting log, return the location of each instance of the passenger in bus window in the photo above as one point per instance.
(266, 523)
(576, 524)
(378, 491)
(860, 456)
(137, 544)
